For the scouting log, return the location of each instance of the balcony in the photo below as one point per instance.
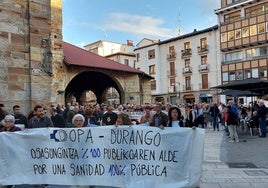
(203, 68)
(171, 89)
(202, 49)
(171, 56)
(188, 87)
(171, 73)
(186, 53)
(187, 70)
(204, 86)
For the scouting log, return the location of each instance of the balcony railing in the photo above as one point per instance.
(186, 53)
(202, 49)
(171, 73)
(187, 70)
(204, 86)
(171, 56)
(171, 89)
(204, 67)
(188, 87)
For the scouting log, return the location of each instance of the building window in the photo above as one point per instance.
(255, 73)
(188, 82)
(230, 35)
(203, 43)
(152, 69)
(263, 51)
(229, 2)
(204, 60)
(239, 75)
(223, 37)
(138, 57)
(232, 75)
(171, 50)
(187, 63)
(172, 68)
(245, 32)
(172, 82)
(253, 30)
(153, 85)
(250, 53)
(232, 17)
(261, 28)
(187, 46)
(151, 54)
(237, 33)
(255, 10)
(225, 77)
(247, 73)
(204, 81)
(126, 61)
(233, 56)
(263, 72)
(255, 52)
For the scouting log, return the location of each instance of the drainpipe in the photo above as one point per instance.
(29, 48)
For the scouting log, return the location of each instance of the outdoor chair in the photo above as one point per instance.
(253, 127)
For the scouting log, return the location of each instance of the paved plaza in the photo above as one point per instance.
(239, 165)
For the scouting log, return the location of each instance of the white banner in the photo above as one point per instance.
(131, 157)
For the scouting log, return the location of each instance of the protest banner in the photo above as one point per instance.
(136, 156)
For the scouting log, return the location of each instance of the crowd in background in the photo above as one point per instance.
(203, 115)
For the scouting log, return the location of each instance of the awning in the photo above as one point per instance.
(190, 96)
(204, 95)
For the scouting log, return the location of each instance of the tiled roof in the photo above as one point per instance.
(74, 55)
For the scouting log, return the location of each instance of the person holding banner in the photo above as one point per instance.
(110, 117)
(78, 120)
(9, 124)
(147, 117)
(123, 119)
(175, 117)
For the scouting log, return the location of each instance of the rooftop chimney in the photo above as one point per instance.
(129, 42)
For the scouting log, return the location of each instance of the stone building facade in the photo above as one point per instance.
(30, 52)
(32, 67)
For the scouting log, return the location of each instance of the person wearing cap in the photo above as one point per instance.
(9, 124)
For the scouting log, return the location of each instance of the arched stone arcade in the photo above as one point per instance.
(96, 81)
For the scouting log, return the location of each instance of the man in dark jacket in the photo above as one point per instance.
(57, 118)
(261, 113)
(214, 111)
(160, 119)
(19, 117)
(39, 120)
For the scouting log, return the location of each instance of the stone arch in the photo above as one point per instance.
(96, 81)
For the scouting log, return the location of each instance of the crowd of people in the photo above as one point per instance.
(158, 115)
(204, 115)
